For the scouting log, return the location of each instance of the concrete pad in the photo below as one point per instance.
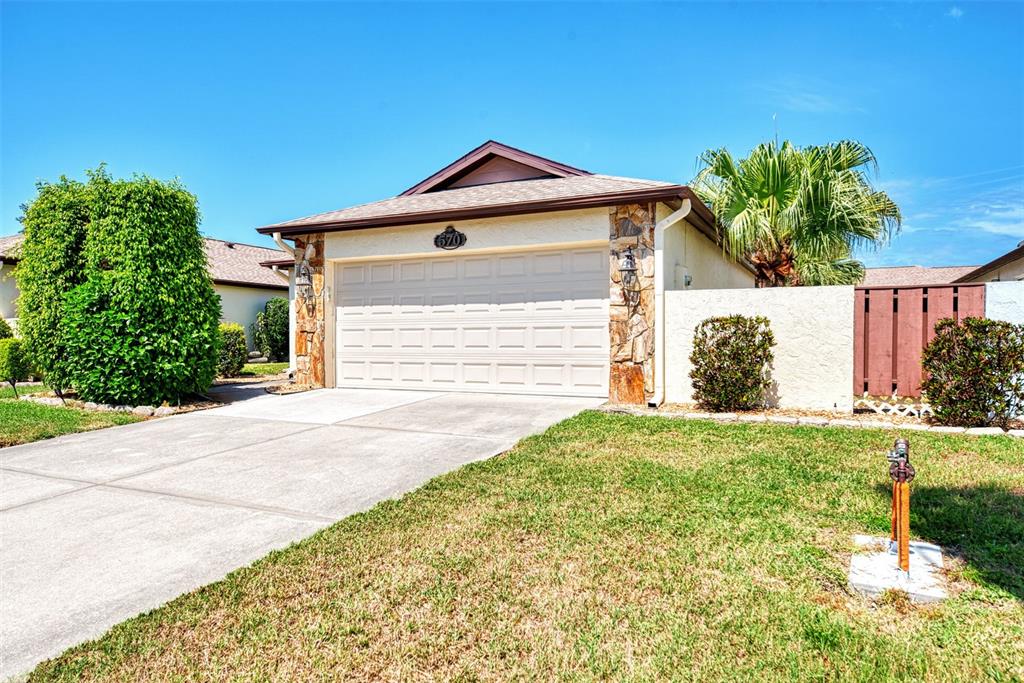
(331, 471)
(17, 488)
(108, 454)
(876, 571)
(323, 406)
(73, 566)
(487, 415)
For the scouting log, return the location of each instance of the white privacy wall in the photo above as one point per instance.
(1005, 301)
(813, 329)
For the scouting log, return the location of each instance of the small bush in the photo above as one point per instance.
(233, 350)
(5, 330)
(270, 331)
(732, 357)
(975, 372)
(13, 364)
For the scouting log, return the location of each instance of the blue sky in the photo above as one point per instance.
(271, 111)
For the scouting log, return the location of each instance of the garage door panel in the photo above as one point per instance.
(529, 322)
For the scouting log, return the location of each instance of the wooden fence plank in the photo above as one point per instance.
(859, 333)
(909, 335)
(879, 342)
(940, 305)
(971, 302)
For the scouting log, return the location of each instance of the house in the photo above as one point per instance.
(503, 271)
(243, 285)
(913, 276)
(1006, 268)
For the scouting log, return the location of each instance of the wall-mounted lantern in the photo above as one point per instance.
(630, 282)
(304, 283)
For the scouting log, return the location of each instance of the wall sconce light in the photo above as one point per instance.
(304, 279)
(630, 282)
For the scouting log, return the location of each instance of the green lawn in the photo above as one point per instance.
(617, 547)
(22, 421)
(263, 369)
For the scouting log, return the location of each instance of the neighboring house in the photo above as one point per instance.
(502, 272)
(8, 288)
(1006, 268)
(913, 276)
(243, 285)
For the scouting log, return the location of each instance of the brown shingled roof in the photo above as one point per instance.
(898, 276)
(230, 263)
(497, 199)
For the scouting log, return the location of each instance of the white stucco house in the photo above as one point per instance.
(502, 272)
(243, 285)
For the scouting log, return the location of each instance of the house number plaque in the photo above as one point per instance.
(449, 239)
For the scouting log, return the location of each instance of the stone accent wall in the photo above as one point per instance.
(631, 313)
(309, 317)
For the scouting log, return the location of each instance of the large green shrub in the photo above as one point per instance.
(270, 331)
(233, 350)
(975, 372)
(731, 359)
(5, 330)
(138, 322)
(13, 365)
(51, 265)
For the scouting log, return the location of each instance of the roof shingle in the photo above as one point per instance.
(480, 196)
(899, 276)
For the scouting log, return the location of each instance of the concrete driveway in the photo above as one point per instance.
(97, 527)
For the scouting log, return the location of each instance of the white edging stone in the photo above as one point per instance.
(939, 429)
(782, 420)
(814, 421)
(1019, 433)
(753, 418)
(985, 431)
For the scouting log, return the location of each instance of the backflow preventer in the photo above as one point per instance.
(902, 473)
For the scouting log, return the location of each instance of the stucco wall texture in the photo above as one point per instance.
(241, 304)
(8, 291)
(813, 329)
(1005, 301)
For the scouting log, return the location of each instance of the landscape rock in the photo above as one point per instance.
(1019, 433)
(814, 421)
(142, 411)
(723, 417)
(840, 422)
(753, 418)
(164, 411)
(783, 420)
(698, 416)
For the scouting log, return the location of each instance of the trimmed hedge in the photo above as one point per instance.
(233, 351)
(975, 372)
(731, 358)
(116, 299)
(14, 366)
(270, 331)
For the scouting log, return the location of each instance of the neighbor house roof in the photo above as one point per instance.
(526, 184)
(1008, 257)
(898, 276)
(9, 247)
(230, 263)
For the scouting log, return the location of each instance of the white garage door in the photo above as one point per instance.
(526, 322)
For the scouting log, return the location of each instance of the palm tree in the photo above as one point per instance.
(797, 214)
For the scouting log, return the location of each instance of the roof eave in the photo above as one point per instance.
(245, 283)
(663, 193)
(1009, 256)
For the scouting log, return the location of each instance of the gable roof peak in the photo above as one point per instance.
(506, 163)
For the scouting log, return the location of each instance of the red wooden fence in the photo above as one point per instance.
(891, 325)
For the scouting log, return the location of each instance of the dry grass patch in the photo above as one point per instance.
(616, 547)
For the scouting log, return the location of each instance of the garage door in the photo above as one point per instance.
(527, 322)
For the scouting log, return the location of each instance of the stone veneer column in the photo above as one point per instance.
(631, 317)
(309, 318)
